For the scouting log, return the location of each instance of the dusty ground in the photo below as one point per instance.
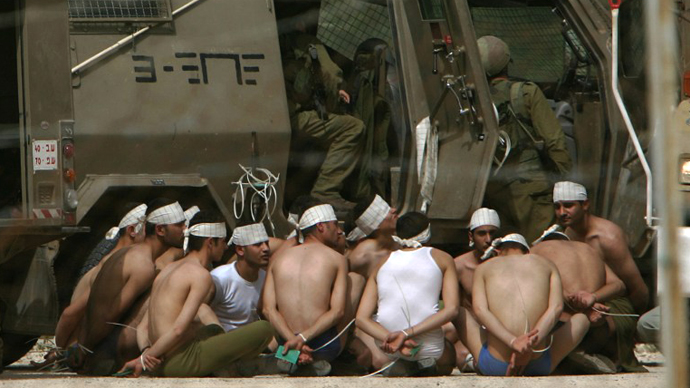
(21, 375)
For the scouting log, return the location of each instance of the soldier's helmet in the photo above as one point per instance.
(494, 54)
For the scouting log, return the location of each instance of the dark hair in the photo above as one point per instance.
(202, 217)
(362, 206)
(302, 203)
(513, 244)
(128, 207)
(155, 204)
(411, 224)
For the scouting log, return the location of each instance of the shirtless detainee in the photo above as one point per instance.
(181, 345)
(129, 231)
(304, 295)
(372, 241)
(404, 292)
(116, 294)
(173, 253)
(483, 228)
(518, 298)
(588, 283)
(572, 212)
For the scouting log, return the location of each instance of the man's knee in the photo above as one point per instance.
(352, 128)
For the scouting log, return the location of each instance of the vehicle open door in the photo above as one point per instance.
(448, 108)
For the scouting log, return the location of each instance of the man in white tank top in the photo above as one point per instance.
(518, 297)
(403, 292)
(238, 284)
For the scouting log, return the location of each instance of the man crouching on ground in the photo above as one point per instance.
(518, 297)
(305, 294)
(182, 346)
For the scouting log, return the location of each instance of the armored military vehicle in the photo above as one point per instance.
(113, 101)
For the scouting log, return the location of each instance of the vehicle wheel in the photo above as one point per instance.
(103, 248)
(15, 346)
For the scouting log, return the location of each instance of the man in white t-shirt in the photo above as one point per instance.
(238, 284)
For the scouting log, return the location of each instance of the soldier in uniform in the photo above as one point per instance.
(314, 88)
(520, 185)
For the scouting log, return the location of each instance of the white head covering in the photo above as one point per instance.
(355, 235)
(569, 191)
(189, 214)
(372, 218)
(317, 214)
(249, 235)
(293, 219)
(548, 231)
(415, 241)
(135, 216)
(484, 216)
(214, 230)
(166, 215)
(516, 238)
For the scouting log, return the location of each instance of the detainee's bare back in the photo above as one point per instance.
(517, 291)
(178, 283)
(123, 278)
(304, 277)
(580, 266)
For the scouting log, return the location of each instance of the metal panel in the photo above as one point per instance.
(200, 101)
(464, 160)
(47, 97)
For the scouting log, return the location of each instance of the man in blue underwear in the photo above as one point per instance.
(518, 297)
(305, 293)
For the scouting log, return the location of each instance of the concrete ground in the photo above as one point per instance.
(21, 377)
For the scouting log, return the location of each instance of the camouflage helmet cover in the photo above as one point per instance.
(494, 54)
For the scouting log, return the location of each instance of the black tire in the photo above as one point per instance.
(102, 249)
(15, 346)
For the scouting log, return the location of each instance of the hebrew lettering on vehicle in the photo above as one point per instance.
(243, 67)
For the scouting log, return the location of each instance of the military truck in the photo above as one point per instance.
(107, 102)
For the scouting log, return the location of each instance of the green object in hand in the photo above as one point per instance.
(415, 350)
(124, 373)
(291, 356)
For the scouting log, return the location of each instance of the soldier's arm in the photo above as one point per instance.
(549, 129)
(618, 257)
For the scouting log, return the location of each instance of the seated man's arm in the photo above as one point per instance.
(337, 304)
(143, 341)
(199, 284)
(449, 293)
(69, 321)
(547, 321)
(619, 258)
(367, 307)
(480, 306)
(139, 275)
(270, 307)
(612, 288)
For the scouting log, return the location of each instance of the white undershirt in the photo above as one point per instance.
(236, 298)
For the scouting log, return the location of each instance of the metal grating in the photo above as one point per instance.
(46, 192)
(344, 24)
(119, 10)
(534, 36)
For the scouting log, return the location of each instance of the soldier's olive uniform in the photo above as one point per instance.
(521, 191)
(343, 134)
